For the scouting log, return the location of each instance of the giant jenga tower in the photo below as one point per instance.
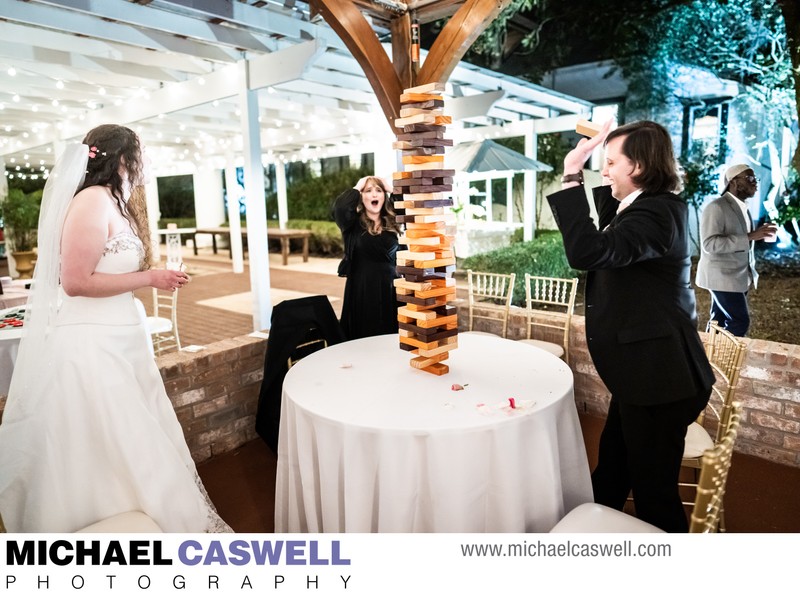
(428, 326)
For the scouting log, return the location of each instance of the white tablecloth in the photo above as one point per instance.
(9, 345)
(382, 447)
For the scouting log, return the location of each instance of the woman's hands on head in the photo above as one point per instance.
(361, 183)
(168, 280)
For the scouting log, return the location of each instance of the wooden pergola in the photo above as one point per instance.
(468, 19)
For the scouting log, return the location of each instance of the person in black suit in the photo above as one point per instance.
(641, 317)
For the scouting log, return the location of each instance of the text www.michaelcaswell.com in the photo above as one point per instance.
(537, 548)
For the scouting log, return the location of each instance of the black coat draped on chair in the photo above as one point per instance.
(293, 322)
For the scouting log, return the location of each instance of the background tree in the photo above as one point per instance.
(755, 42)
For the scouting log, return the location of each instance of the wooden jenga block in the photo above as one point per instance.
(424, 211)
(433, 173)
(587, 128)
(437, 369)
(416, 256)
(437, 292)
(402, 144)
(401, 175)
(412, 111)
(420, 240)
(423, 160)
(430, 142)
(436, 322)
(409, 97)
(427, 104)
(423, 362)
(400, 183)
(420, 316)
(400, 283)
(412, 298)
(436, 336)
(435, 225)
(441, 348)
(434, 188)
(423, 165)
(416, 343)
(425, 233)
(442, 262)
(428, 88)
(424, 150)
(428, 134)
(420, 118)
(418, 128)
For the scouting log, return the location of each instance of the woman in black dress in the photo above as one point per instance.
(367, 221)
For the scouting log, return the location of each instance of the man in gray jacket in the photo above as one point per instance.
(727, 263)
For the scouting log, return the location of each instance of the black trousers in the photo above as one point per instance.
(729, 310)
(641, 448)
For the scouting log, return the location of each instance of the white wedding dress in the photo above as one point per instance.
(102, 438)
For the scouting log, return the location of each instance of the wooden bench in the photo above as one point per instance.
(284, 235)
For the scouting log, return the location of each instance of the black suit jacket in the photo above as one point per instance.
(641, 320)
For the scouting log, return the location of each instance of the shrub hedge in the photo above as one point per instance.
(544, 256)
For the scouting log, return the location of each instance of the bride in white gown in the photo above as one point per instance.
(88, 431)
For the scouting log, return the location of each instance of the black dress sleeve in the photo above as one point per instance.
(344, 209)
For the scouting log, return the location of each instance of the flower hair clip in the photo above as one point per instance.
(93, 152)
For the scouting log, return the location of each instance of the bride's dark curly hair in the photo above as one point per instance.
(114, 149)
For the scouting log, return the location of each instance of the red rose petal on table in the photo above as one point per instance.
(456, 387)
(512, 403)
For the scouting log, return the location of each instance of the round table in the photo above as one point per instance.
(369, 444)
(9, 346)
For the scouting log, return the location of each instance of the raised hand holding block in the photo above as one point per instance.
(587, 128)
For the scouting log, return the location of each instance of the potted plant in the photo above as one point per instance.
(20, 212)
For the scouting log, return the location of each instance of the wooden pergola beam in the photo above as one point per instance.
(387, 77)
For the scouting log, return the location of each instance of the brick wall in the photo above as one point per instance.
(215, 391)
(769, 387)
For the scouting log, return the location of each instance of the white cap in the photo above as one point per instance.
(732, 172)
